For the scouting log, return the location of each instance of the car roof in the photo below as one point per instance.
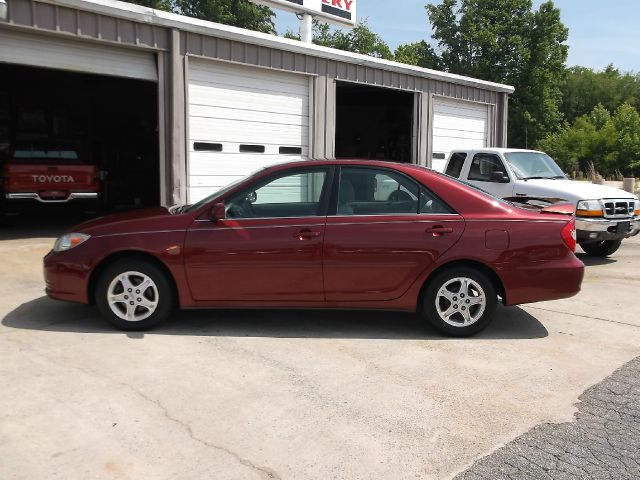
(349, 161)
(497, 149)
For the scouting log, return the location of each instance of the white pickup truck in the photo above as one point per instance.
(604, 215)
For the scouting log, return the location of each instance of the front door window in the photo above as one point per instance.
(286, 196)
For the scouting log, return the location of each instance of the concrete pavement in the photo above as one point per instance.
(291, 395)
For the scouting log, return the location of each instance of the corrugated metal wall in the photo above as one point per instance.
(88, 25)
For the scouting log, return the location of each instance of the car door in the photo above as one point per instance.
(384, 231)
(488, 172)
(269, 246)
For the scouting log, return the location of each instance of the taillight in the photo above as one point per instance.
(569, 234)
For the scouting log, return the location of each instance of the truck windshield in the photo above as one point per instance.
(530, 165)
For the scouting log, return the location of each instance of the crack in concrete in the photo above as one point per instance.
(263, 472)
(583, 316)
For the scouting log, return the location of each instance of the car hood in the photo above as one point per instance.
(569, 190)
(135, 221)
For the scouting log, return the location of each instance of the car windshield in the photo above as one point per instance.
(530, 165)
(217, 193)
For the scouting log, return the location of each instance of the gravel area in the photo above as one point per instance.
(603, 442)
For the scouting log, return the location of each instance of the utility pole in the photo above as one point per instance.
(306, 28)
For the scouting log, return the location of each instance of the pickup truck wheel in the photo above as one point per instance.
(459, 301)
(134, 294)
(601, 249)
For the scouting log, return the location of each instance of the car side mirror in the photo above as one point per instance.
(499, 177)
(217, 212)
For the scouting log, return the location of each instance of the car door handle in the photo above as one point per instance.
(438, 230)
(307, 234)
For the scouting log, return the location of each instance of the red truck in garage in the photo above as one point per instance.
(49, 174)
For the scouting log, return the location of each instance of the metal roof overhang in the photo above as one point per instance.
(150, 16)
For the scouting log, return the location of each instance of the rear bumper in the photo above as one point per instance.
(598, 229)
(545, 281)
(36, 196)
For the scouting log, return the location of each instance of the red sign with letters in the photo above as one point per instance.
(334, 11)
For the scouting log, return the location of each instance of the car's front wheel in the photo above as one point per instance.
(134, 294)
(460, 301)
(601, 249)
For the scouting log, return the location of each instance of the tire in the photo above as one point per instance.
(601, 249)
(459, 319)
(146, 307)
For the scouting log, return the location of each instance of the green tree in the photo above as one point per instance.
(610, 141)
(420, 54)
(626, 121)
(585, 88)
(157, 4)
(361, 39)
(238, 13)
(506, 41)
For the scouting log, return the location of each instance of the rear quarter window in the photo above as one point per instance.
(454, 167)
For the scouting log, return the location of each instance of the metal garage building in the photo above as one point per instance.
(177, 107)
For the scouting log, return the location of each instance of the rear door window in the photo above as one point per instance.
(372, 191)
(456, 162)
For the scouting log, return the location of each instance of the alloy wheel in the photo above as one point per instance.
(460, 302)
(132, 296)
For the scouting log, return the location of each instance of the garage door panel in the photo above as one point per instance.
(251, 100)
(206, 163)
(252, 84)
(447, 145)
(220, 130)
(458, 124)
(221, 74)
(233, 148)
(77, 56)
(461, 124)
(232, 106)
(456, 133)
(449, 107)
(200, 111)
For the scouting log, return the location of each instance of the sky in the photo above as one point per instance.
(600, 32)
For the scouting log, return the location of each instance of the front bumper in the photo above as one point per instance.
(598, 229)
(65, 279)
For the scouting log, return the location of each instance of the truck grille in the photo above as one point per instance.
(618, 208)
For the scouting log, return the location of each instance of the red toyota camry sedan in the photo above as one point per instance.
(323, 234)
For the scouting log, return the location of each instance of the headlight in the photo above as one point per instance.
(69, 241)
(589, 208)
(636, 208)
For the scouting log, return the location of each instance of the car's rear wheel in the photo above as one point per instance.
(601, 249)
(459, 301)
(134, 294)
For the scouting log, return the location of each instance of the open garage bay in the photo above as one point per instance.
(54, 123)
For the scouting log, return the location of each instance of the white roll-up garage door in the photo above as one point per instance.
(76, 56)
(241, 119)
(457, 124)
